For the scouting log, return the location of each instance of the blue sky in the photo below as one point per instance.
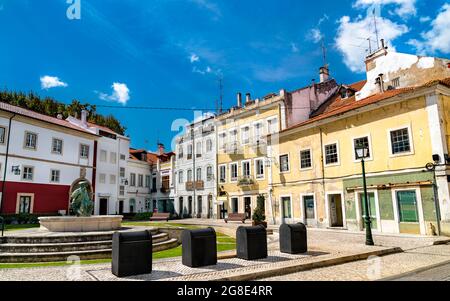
(170, 53)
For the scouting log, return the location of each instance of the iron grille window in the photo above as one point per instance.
(400, 141)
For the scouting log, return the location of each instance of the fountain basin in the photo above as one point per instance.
(81, 224)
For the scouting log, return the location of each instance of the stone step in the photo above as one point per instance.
(68, 247)
(83, 255)
(62, 238)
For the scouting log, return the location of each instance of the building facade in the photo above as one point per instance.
(42, 159)
(195, 172)
(163, 185)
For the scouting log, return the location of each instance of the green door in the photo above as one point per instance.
(408, 212)
(372, 210)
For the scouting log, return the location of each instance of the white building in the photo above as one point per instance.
(163, 185)
(111, 152)
(41, 159)
(195, 170)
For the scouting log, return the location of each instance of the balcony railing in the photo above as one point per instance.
(233, 148)
(199, 185)
(246, 181)
(165, 189)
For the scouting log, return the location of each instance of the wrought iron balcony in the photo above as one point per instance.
(246, 181)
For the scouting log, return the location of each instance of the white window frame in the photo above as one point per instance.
(181, 177)
(230, 165)
(222, 136)
(132, 179)
(81, 151)
(261, 136)
(338, 163)
(62, 146)
(209, 177)
(113, 157)
(140, 180)
(303, 209)
(283, 219)
(122, 175)
(148, 181)
(411, 141)
(102, 178)
(19, 195)
(328, 209)
(230, 131)
(249, 168)
(289, 163)
(35, 141)
(220, 174)
(209, 145)
(300, 158)
(359, 218)
(103, 152)
(112, 179)
(23, 173)
(51, 175)
(5, 135)
(256, 169)
(369, 137)
(269, 119)
(249, 127)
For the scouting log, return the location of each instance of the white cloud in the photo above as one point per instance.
(121, 94)
(351, 38)
(315, 35)
(294, 48)
(194, 58)
(404, 8)
(48, 82)
(209, 6)
(438, 37)
(205, 71)
(424, 19)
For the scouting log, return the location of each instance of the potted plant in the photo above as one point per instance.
(259, 217)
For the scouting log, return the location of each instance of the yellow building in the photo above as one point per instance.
(242, 151)
(317, 176)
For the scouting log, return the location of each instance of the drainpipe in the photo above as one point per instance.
(194, 172)
(322, 166)
(6, 163)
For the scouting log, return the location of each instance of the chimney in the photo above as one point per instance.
(84, 115)
(239, 100)
(380, 82)
(248, 98)
(161, 148)
(324, 73)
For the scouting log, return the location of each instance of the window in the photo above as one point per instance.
(30, 140)
(112, 179)
(147, 205)
(407, 206)
(132, 205)
(223, 174)
(222, 141)
(123, 157)
(25, 203)
(361, 142)
(84, 151)
(189, 154)
(199, 174)
(400, 141)
(2, 134)
(166, 183)
(305, 159)
(113, 158)
(259, 166)
(28, 173)
(259, 131)
(121, 190)
(209, 145)
(272, 126)
(132, 179)
(198, 149)
(103, 155)
(180, 177)
(141, 180)
(57, 146)
(331, 154)
(180, 152)
(286, 203)
(284, 163)
(54, 176)
(154, 185)
(102, 178)
(246, 169)
(189, 175)
(233, 172)
(396, 82)
(209, 173)
(245, 135)
(235, 205)
(308, 201)
(233, 136)
(147, 181)
(122, 172)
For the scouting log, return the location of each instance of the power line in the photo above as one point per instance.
(149, 108)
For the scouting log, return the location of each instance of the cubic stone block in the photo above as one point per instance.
(199, 247)
(132, 253)
(293, 239)
(251, 242)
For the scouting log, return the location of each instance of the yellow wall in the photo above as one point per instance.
(446, 109)
(376, 124)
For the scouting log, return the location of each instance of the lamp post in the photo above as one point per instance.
(362, 153)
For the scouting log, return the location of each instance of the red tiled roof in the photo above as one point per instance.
(152, 158)
(45, 118)
(340, 106)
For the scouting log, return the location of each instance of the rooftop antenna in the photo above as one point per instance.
(324, 53)
(370, 45)
(221, 93)
(376, 27)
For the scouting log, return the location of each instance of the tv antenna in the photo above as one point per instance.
(376, 28)
(221, 94)
(324, 52)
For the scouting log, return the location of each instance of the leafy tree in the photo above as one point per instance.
(51, 107)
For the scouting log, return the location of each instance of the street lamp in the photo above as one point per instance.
(363, 152)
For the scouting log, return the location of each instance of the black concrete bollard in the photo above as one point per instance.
(199, 247)
(251, 243)
(293, 239)
(132, 253)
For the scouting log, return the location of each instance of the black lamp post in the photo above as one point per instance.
(362, 153)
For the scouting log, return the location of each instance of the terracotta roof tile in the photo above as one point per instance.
(45, 118)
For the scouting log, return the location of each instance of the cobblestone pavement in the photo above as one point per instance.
(438, 273)
(378, 268)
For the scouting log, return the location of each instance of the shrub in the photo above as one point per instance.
(259, 213)
(143, 216)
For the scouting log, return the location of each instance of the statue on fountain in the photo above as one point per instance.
(81, 203)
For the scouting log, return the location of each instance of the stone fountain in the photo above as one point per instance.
(83, 221)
